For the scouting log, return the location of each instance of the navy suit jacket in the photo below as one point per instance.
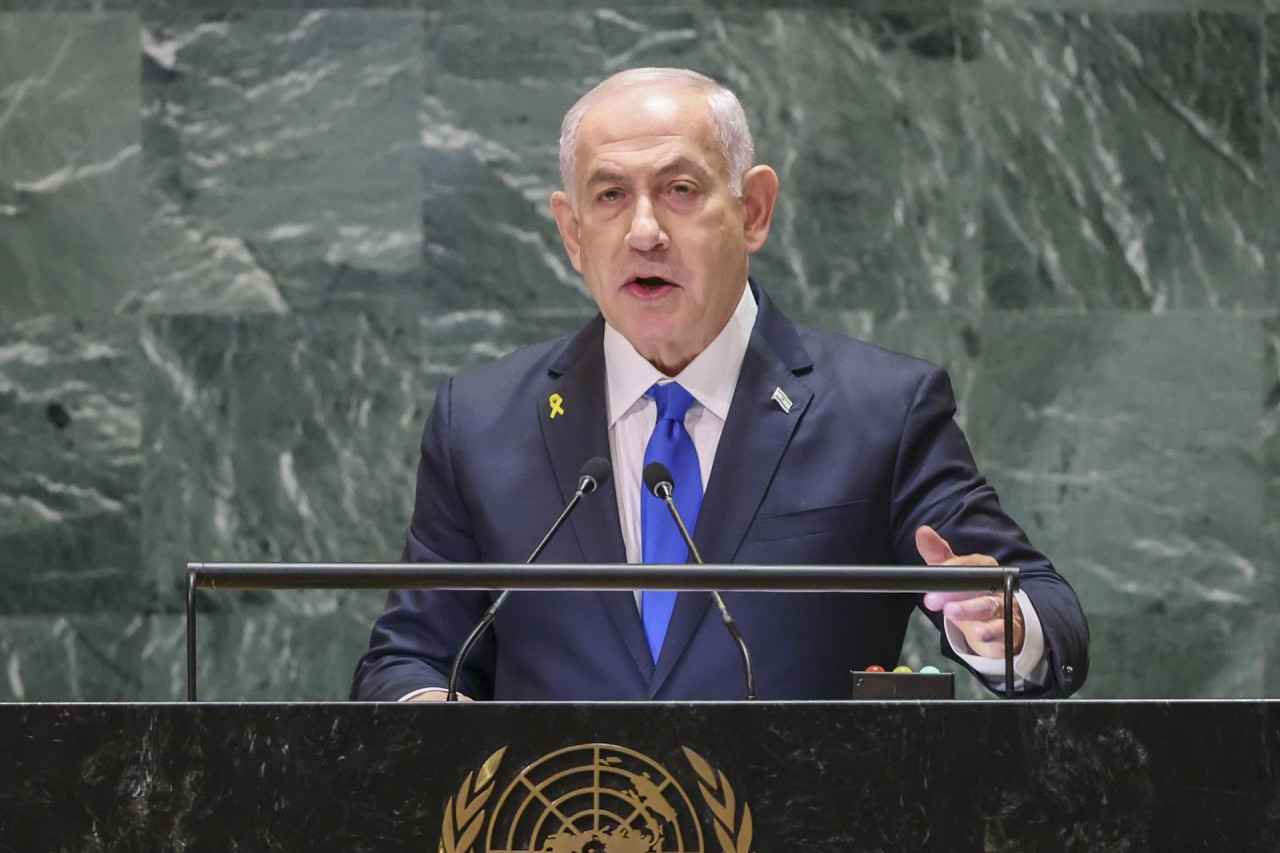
(868, 453)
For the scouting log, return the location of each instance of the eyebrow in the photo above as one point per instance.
(605, 174)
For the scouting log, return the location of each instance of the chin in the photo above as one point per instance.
(650, 332)
(646, 345)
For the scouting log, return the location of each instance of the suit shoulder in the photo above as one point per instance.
(849, 359)
(512, 372)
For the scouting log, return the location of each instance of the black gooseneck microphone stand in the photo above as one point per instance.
(594, 474)
(657, 478)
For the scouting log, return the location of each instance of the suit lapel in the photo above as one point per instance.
(578, 432)
(754, 439)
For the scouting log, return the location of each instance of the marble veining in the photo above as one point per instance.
(242, 243)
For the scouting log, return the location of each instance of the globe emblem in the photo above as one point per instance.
(594, 798)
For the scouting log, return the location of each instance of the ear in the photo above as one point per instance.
(567, 222)
(759, 195)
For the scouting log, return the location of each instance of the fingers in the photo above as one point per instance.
(938, 600)
(980, 618)
(936, 551)
(978, 615)
(981, 608)
(933, 548)
(987, 638)
(966, 609)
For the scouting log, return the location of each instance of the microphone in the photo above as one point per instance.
(658, 480)
(594, 474)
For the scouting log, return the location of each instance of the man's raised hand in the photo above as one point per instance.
(977, 615)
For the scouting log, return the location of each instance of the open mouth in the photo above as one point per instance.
(650, 282)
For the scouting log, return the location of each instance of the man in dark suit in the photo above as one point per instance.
(794, 446)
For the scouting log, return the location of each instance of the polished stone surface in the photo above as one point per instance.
(1114, 136)
(281, 158)
(242, 242)
(70, 189)
(1097, 776)
(70, 463)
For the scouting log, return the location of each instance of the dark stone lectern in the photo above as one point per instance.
(766, 777)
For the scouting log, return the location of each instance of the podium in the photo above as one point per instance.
(642, 777)
(713, 777)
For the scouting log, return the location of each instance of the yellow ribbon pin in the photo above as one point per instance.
(556, 409)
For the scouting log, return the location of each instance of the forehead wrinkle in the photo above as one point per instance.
(682, 163)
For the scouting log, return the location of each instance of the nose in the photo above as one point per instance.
(646, 232)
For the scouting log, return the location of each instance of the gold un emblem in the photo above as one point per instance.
(593, 798)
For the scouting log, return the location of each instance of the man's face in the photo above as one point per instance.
(656, 235)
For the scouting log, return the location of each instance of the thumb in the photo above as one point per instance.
(932, 547)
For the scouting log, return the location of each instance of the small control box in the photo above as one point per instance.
(904, 685)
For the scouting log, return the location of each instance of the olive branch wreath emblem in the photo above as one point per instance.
(734, 834)
(464, 814)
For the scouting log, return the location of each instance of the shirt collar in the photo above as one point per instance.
(710, 377)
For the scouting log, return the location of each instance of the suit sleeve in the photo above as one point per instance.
(937, 483)
(415, 639)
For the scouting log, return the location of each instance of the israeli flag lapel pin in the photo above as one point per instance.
(780, 397)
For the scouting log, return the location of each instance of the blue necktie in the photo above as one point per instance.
(671, 445)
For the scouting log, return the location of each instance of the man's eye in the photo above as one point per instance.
(610, 195)
(682, 189)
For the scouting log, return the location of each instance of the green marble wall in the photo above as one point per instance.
(241, 243)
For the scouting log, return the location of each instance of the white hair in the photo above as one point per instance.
(727, 117)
